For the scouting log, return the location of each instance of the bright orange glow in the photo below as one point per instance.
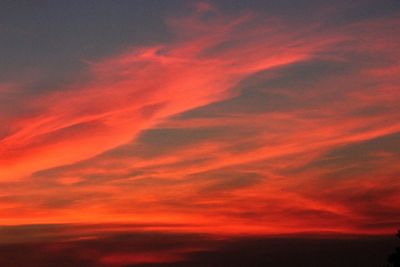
(237, 125)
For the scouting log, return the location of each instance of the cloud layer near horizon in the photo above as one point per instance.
(243, 123)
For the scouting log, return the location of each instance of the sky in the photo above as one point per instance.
(233, 118)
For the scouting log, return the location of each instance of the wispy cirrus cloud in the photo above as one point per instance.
(132, 91)
(238, 124)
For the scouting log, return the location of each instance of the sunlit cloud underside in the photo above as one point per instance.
(240, 123)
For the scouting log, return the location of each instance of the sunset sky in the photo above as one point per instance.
(216, 117)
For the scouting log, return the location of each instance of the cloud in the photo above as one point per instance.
(130, 92)
(238, 124)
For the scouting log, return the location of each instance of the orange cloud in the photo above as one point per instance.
(133, 91)
(236, 125)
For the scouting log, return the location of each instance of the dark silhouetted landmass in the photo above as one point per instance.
(394, 258)
(82, 247)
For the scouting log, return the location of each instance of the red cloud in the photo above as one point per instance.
(113, 106)
(236, 125)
